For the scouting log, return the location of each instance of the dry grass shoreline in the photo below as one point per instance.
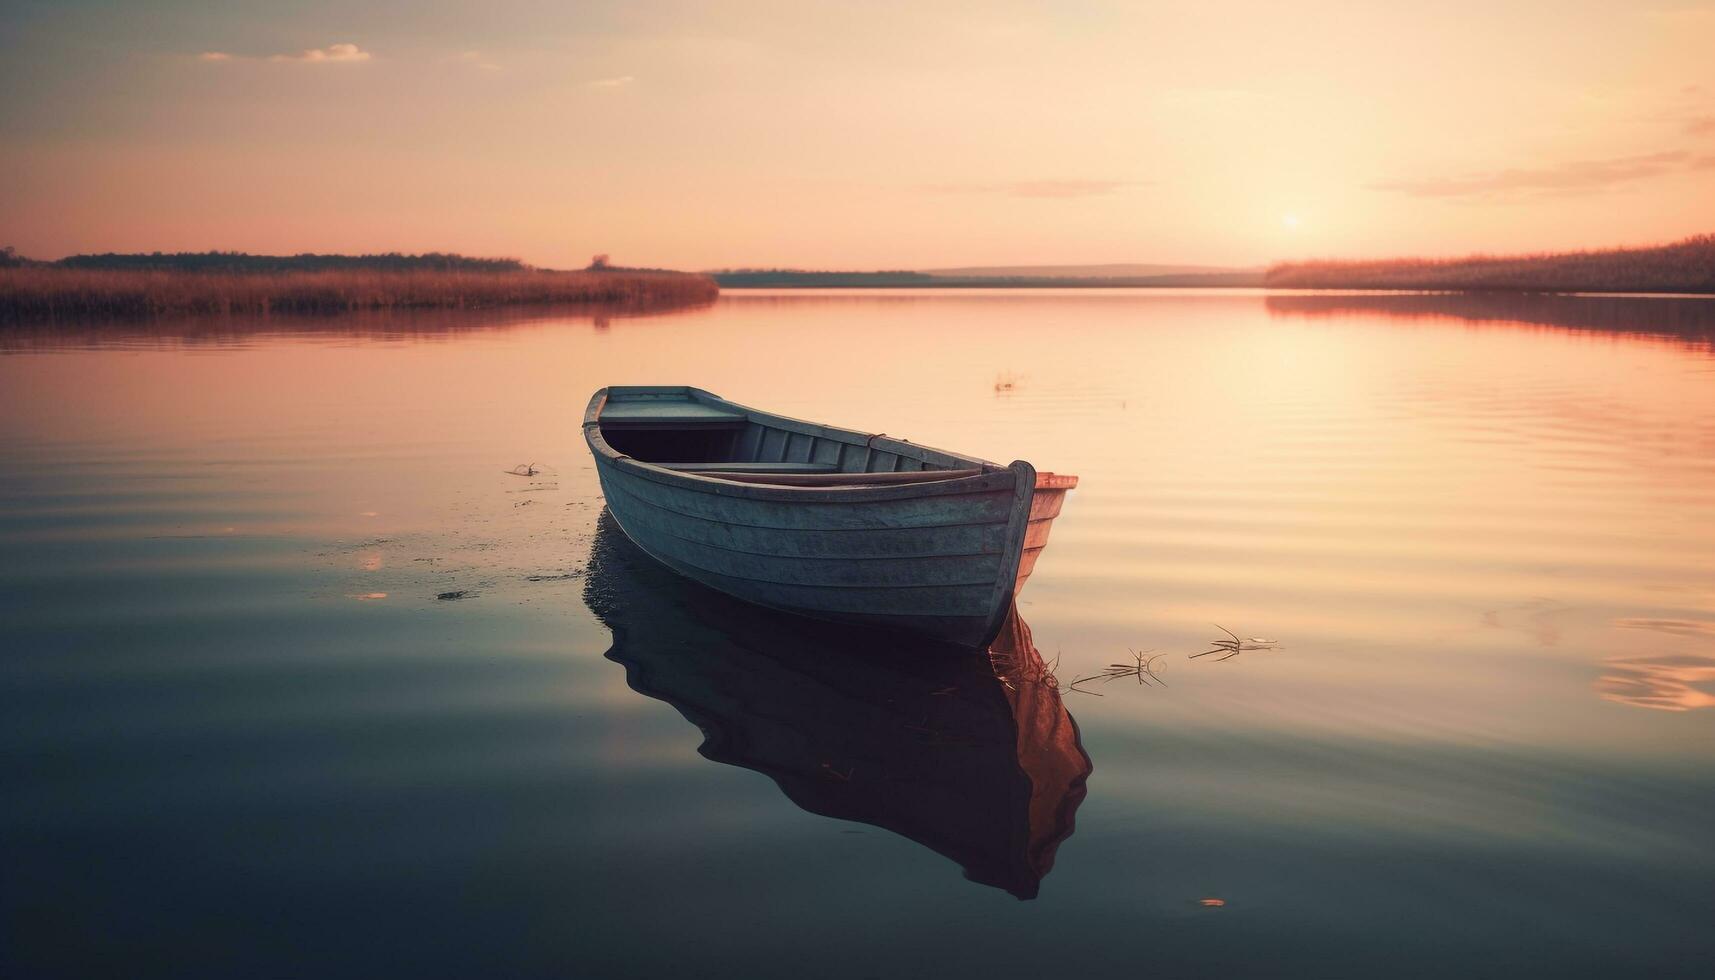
(46, 293)
(1686, 266)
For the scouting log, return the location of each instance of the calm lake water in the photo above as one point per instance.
(299, 681)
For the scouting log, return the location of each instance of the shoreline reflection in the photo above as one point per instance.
(1685, 318)
(414, 324)
(974, 757)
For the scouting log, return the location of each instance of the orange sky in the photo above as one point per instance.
(857, 135)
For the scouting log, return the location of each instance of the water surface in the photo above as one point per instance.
(298, 679)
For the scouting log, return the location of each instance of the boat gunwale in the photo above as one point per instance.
(633, 498)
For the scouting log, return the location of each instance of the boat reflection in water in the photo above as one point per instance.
(973, 757)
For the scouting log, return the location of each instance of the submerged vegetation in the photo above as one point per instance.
(221, 283)
(1683, 267)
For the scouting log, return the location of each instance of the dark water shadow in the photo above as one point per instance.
(1690, 320)
(972, 756)
(425, 324)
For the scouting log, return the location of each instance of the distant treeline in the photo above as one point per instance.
(1682, 267)
(798, 279)
(58, 292)
(302, 262)
(785, 278)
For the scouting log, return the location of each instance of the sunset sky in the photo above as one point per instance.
(856, 135)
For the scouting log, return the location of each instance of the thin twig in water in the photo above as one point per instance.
(1234, 646)
(1142, 667)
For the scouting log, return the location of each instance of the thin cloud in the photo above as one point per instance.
(331, 53)
(1701, 126)
(618, 82)
(1053, 189)
(1576, 177)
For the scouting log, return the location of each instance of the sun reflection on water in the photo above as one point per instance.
(1667, 683)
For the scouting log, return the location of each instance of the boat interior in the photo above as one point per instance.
(712, 438)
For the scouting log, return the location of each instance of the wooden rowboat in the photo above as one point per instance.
(823, 522)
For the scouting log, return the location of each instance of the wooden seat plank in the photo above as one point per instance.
(667, 413)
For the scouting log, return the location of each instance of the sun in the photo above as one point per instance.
(1290, 221)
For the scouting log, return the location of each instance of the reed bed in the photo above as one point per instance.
(1682, 267)
(33, 293)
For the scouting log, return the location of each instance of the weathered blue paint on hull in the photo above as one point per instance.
(936, 557)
